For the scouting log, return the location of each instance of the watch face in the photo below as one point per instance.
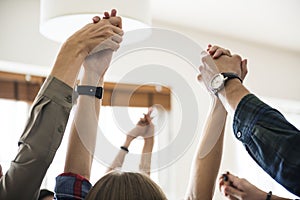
(217, 82)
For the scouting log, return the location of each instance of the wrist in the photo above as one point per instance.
(67, 64)
(232, 86)
(149, 142)
(268, 196)
(128, 141)
(91, 78)
(233, 93)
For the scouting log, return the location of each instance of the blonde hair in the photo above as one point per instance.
(118, 185)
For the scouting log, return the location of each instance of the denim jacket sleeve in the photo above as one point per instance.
(270, 140)
(39, 141)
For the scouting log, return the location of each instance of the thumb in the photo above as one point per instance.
(244, 68)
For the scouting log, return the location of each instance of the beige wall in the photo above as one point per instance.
(20, 40)
(273, 71)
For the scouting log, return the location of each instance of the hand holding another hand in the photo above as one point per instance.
(218, 60)
(144, 127)
(226, 62)
(95, 34)
(99, 58)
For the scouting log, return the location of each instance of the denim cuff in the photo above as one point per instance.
(248, 111)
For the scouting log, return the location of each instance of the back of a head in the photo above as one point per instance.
(45, 194)
(118, 185)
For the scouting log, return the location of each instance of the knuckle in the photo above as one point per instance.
(204, 59)
(237, 57)
(107, 26)
(243, 179)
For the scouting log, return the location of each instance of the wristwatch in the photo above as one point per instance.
(218, 82)
(89, 90)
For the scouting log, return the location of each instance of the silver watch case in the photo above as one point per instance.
(217, 83)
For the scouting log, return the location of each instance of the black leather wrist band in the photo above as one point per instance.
(89, 90)
(124, 149)
(231, 76)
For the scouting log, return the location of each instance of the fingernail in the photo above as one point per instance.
(96, 19)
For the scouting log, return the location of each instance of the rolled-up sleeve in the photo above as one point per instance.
(39, 142)
(270, 139)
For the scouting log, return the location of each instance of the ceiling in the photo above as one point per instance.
(272, 22)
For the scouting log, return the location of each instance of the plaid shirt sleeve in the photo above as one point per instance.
(270, 139)
(70, 186)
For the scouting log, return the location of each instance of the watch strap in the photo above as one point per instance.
(89, 90)
(229, 75)
(225, 76)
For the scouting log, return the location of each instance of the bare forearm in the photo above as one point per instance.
(148, 145)
(84, 131)
(146, 156)
(120, 157)
(207, 159)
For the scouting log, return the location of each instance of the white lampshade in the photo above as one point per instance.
(61, 18)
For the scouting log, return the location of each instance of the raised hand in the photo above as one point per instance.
(216, 52)
(147, 122)
(144, 127)
(217, 60)
(82, 43)
(99, 58)
(94, 34)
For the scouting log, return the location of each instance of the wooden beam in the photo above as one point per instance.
(22, 91)
(8, 76)
(25, 88)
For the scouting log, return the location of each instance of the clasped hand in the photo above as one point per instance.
(100, 56)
